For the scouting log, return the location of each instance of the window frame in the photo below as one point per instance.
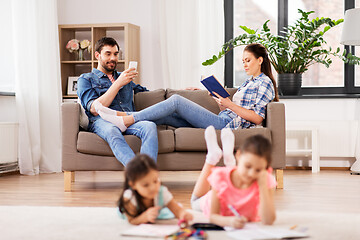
(348, 90)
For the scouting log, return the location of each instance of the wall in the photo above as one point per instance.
(138, 12)
(337, 118)
(337, 121)
(8, 109)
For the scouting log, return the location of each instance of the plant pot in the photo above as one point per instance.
(289, 83)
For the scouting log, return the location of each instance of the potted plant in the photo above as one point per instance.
(291, 54)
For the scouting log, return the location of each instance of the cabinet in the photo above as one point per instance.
(127, 36)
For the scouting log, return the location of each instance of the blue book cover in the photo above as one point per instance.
(213, 85)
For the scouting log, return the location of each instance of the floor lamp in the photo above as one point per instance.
(351, 36)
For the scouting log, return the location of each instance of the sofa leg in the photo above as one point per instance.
(279, 178)
(73, 176)
(69, 177)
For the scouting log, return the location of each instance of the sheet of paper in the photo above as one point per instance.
(151, 230)
(255, 232)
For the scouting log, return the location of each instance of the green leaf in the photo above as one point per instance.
(300, 44)
(247, 30)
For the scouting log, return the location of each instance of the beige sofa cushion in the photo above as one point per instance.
(90, 143)
(145, 99)
(192, 139)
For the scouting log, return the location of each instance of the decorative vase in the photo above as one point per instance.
(289, 83)
(80, 55)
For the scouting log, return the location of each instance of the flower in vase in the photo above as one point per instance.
(73, 45)
(85, 44)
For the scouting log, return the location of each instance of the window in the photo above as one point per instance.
(253, 14)
(338, 79)
(7, 81)
(318, 74)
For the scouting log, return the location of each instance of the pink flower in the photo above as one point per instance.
(73, 45)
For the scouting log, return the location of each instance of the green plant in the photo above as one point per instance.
(299, 46)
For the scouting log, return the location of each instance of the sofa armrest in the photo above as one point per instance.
(70, 117)
(275, 121)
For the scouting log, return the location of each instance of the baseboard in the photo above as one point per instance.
(321, 168)
(17, 172)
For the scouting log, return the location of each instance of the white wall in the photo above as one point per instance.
(8, 109)
(337, 120)
(138, 12)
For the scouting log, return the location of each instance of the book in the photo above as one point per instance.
(151, 230)
(213, 85)
(254, 232)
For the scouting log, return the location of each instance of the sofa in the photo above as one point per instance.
(180, 149)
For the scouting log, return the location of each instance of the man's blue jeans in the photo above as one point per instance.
(178, 111)
(145, 130)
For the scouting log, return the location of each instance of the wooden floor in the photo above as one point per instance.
(303, 190)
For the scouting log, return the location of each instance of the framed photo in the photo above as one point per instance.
(72, 85)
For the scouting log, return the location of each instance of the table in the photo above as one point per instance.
(314, 151)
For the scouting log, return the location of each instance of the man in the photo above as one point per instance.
(114, 90)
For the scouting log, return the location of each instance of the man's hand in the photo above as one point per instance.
(126, 76)
(192, 88)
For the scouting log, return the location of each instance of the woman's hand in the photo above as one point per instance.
(152, 213)
(222, 102)
(237, 222)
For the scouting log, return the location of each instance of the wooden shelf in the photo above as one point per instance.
(87, 62)
(77, 62)
(126, 34)
(70, 96)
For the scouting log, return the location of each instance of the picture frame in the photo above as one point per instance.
(72, 85)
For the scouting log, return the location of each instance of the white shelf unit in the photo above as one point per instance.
(313, 151)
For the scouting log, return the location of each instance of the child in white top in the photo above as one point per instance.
(144, 199)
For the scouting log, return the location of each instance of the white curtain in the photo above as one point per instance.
(356, 166)
(191, 31)
(38, 92)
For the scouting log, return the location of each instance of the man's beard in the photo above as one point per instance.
(109, 69)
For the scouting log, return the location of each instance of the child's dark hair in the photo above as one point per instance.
(260, 51)
(258, 145)
(137, 168)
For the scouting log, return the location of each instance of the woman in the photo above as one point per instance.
(245, 111)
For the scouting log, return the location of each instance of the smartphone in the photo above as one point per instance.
(207, 226)
(133, 64)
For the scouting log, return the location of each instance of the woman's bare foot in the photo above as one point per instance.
(128, 120)
(121, 114)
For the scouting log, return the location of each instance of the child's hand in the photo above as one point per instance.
(152, 213)
(238, 222)
(186, 216)
(262, 180)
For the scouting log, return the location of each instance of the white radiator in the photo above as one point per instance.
(8, 142)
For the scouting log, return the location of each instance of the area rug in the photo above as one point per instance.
(67, 223)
